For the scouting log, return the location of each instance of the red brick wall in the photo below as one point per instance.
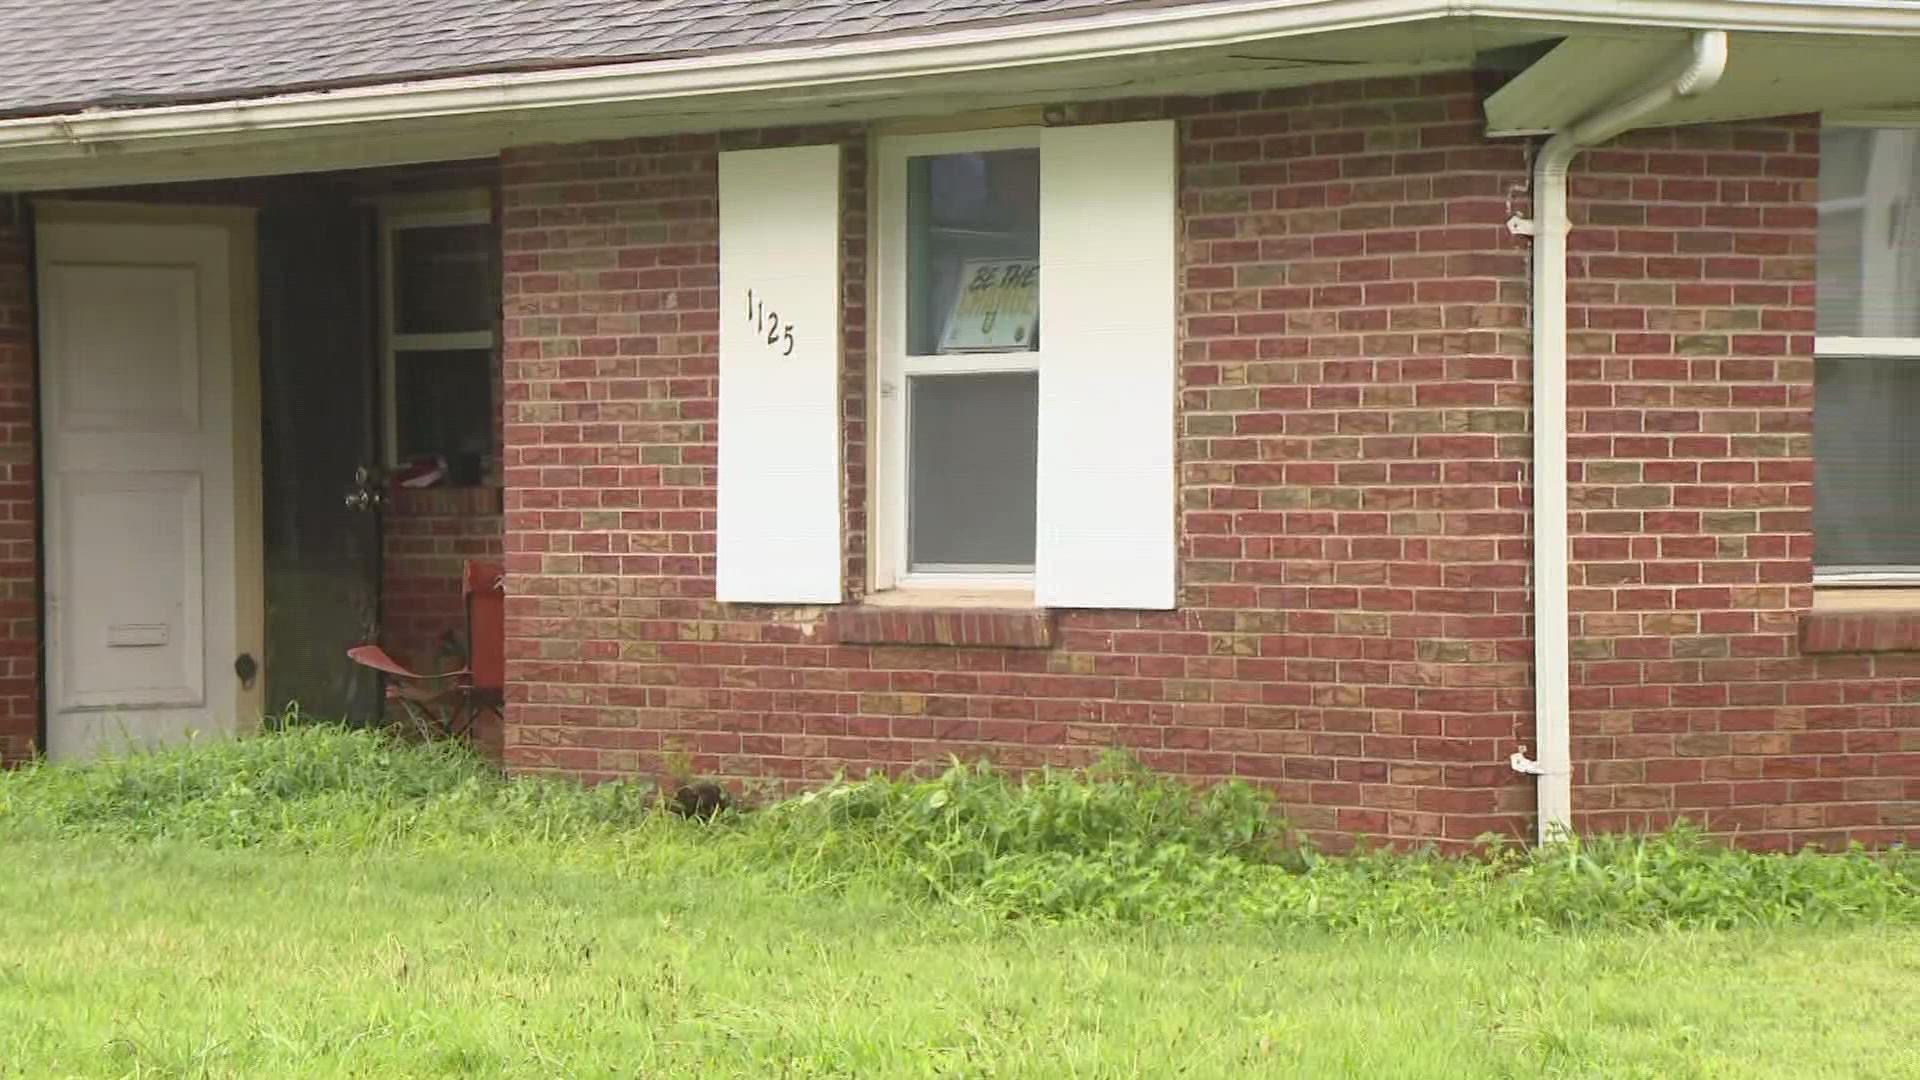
(1352, 628)
(427, 537)
(1353, 450)
(1692, 393)
(19, 591)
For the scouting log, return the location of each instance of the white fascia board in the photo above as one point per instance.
(1897, 18)
(1875, 118)
(760, 72)
(371, 145)
(780, 76)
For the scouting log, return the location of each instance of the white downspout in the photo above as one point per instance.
(1700, 69)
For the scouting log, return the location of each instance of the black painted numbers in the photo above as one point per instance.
(765, 321)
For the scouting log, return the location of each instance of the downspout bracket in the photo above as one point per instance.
(1521, 763)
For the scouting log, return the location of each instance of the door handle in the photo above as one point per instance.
(246, 667)
(365, 493)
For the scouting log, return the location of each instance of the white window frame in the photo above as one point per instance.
(1838, 347)
(1848, 348)
(891, 366)
(452, 208)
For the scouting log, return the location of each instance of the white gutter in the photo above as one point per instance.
(854, 61)
(1700, 68)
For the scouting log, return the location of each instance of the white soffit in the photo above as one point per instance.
(1563, 87)
(1788, 74)
(1768, 74)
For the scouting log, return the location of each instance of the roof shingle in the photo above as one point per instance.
(72, 54)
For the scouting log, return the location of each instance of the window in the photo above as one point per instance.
(1867, 372)
(1025, 315)
(440, 274)
(1020, 432)
(960, 367)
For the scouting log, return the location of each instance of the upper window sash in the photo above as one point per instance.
(1869, 233)
(892, 154)
(396, 216)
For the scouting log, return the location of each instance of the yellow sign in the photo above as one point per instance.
(998, 307)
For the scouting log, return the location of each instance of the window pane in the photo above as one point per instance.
(973, 442)
(1869, 244)
(443, 279)
(445, 404)
(1866, 462)
(973, 251)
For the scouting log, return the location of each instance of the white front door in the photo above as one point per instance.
(143, 602)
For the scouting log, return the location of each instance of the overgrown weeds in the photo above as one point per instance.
(1110, 843)
(1118, 842)
(312, 786)
(1114, 841)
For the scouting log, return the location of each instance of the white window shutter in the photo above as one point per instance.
(779, 500)
(1107, 366)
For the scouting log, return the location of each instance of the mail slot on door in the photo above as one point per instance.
(137, 635)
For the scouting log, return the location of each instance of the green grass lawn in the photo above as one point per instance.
(180, 960)
(327, 903)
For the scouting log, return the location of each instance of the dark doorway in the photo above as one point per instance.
(318, 403)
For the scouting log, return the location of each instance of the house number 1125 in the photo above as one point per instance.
(768, 323)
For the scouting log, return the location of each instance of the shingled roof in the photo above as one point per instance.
(78, 54)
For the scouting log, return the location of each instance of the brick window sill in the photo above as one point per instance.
(1862, 622)
(903, 620)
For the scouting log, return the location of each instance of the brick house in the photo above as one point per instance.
(846, 385)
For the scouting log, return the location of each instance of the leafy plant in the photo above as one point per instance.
(1112, 843)
(1115, 840)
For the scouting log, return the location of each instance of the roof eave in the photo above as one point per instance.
(750, 80)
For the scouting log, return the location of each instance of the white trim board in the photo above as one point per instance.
(1898, 348)
(1866, 577)
(479, 114)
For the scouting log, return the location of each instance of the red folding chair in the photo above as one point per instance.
(451, 703)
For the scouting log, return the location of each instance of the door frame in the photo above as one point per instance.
(248, 540)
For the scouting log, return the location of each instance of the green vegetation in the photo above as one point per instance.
(1112, 843)
(324, 902)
